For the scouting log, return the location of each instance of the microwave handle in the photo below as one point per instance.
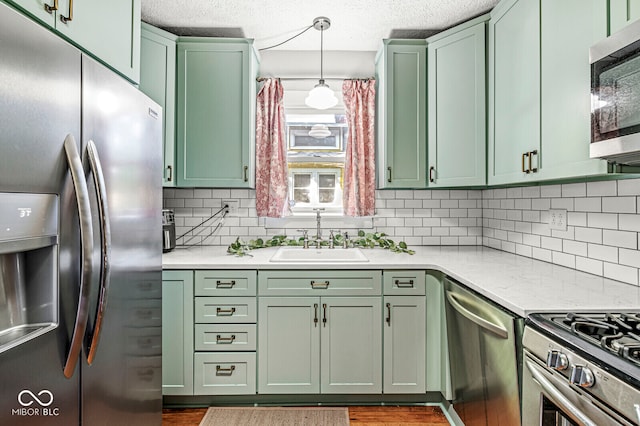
(558, 397)
(91, 343)
(86, 253)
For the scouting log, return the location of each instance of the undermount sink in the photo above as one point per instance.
(302, 255)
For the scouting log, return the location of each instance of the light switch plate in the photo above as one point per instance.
(558, 219)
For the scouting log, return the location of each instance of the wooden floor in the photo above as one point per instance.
(360, 415)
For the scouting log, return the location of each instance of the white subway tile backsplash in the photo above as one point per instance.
(619, 204)
(629, 187)
(602, 237)
(605, 188)
(620, 239)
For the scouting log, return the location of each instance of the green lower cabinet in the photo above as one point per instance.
(404, 344)
(457, 105)
(319, 345)
(621, 13)
(177, 333)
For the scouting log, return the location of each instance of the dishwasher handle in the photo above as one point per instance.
(558, 397)
(496, 329)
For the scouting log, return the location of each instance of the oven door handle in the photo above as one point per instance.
(557, 396)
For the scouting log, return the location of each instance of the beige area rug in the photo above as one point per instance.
(276, 416)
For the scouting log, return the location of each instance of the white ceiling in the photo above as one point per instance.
(356, 25)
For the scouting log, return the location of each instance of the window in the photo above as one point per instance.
(315, 157)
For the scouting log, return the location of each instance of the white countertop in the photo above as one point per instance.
(519, 284)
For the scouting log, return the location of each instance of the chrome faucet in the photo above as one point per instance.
(318, 229)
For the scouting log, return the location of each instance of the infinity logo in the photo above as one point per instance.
(35, 398)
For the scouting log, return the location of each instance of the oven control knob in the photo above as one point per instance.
(582, 376)
(557, 360)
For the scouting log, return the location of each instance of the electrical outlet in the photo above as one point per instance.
(233, 206)
(558, 219)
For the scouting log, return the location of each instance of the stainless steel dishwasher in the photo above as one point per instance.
(485, 358)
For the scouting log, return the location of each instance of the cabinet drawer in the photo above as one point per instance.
(319, 283)
(225, 283)
(225, 310)
(404, 283)
(224, 373)
(225, 337)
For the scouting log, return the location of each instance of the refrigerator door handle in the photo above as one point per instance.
(86, 239)
(105, 229)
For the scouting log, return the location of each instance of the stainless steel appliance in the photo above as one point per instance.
(582, 369)
(80, 257)
(484, 358)
(615, 97)
(168, 231)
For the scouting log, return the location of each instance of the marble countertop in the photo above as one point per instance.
(519, 284)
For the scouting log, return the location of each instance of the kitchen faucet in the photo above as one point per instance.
(318, 230)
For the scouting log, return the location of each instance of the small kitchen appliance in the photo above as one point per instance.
(615, 97)
(168, 231)
(581, 369)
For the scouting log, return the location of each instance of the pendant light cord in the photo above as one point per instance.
(321, 51)
(289, 39)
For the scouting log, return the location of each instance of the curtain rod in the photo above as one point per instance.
(259, 79)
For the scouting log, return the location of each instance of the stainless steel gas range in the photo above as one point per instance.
(581, 369)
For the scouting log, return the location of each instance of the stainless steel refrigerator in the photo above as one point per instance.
(80, 245)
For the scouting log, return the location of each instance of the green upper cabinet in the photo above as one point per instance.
(457, 112)
(109, 30)
(158, 81)
(514, 91)
(215, 142)
(401, 114)
(621, 13)
(569, 28)
(539, 79)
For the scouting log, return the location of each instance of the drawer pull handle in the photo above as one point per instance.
(225, 340)
(315, 314)
(225, 312)
(224, 371)
(222, 284)
(319, 284)
(50, 9)
(404, 284)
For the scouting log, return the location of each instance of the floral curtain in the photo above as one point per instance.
(271, 153)
(359, 169)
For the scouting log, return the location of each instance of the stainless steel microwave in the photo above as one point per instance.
(615, 97)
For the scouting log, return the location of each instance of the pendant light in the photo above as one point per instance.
(321, 96)
(319, 131)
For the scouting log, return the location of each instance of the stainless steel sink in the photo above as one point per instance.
(313, 255)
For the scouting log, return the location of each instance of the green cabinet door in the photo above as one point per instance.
(404, 344)
(514, 92)
(457, 113)
(621, 13)
(289, 345)
(158, 81)
(568, 29)
(109, 30)
(177, 333)
(351, 345)
(216, 112)
(401, 114)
